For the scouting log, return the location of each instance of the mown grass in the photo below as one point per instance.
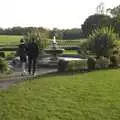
(89, 96)
(71, 52)
(76, 42)
(9, 39)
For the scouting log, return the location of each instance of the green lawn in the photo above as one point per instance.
(9, 39)
(71, 52)
(89, 96)
(76, 42)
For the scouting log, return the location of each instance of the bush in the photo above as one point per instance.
(62, 65)
(3, 66)
(102, 62)
(114, 61)
(102, 41)
(2, 54)
(91, 63)
(75, 65)
(10, 56)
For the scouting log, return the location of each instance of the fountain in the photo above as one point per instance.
(54, 51)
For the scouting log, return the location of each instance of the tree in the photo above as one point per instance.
(38, 36)
(102, 41)
(95, 21)
(115, 12)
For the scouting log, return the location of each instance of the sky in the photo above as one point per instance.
(61, 14)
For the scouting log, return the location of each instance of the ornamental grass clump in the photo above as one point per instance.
(102, 41)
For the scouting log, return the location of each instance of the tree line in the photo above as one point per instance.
(75, 33)
(91, 23)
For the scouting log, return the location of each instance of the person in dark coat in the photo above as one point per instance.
(32, 52)
(22, 52)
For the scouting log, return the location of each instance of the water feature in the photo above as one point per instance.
(54, 50)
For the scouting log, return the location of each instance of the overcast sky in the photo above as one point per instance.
(62, 14)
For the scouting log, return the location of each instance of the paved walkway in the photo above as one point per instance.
(15, 77)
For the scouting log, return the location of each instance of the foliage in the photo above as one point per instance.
(91, 63)
(91, 96)
(62, 65)
(66, 34)
(114, 59)
(102, 62)
(115, 12)
(102, 41)
(75, 65)
(3, 65)
(94, 22)
(2, 54)
(72, 65)
(38, 36)
(10, 56)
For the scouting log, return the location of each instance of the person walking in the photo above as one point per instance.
(32, 52)
(21, 52)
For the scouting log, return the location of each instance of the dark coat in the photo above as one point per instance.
(22, 50)
(32, 50)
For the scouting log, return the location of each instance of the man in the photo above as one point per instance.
(32, 52)
(21, 52)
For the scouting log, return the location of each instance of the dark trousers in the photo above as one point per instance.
(32, 64)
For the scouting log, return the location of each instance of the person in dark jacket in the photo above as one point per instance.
(32, 52)
(22, 52)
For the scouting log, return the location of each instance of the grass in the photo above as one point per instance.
(9, 39)
(90, 96)
(76, 42)
(71, 52)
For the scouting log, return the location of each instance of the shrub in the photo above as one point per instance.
(102, 41)
(2, 54)
(62, 65)
(3, 66)
(102, 62)
(75, 65)
(91, 63)
(10, 56)
(114, 61)
(38, 36)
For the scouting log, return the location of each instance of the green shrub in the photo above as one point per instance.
(3, 66)
(102, 41)
(91, 63)
(75, 65)
(114, 61)
(62, 65)
(10, 56)
(2, 54)
(102, 62)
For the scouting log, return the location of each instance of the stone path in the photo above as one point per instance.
(15, 77)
